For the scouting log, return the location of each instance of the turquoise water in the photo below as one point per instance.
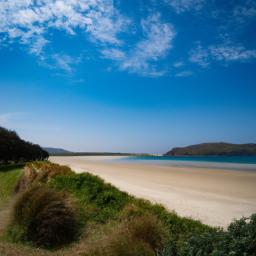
(245, 163)
(213, 159)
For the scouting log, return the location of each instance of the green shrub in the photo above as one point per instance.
(47, 218)
(91, 190)
(239, 239)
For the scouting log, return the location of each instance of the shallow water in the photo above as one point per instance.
(247, 163)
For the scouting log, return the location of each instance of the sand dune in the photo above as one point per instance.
(213, 196)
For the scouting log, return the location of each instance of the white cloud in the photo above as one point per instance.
(158, 38)
(185, 73)
(231, 53)
(64, 62)
(29, 20)
(245, 10)
(200, 56)
(223, 53)
(143, 57)
(113, 54)
(178, 64)
(106, 25)
(185, 5)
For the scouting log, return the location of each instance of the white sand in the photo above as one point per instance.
(213, 196)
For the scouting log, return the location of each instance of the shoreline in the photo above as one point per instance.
(213, 196)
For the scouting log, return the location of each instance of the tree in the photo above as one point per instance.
(15, 150)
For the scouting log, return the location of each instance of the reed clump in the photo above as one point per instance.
(44, 217)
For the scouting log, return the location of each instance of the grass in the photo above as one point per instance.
(8, 179)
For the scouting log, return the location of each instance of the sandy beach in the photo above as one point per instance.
(213, 196)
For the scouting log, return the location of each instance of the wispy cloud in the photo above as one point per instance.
(231, 53)
(156, 44)
(106, 25)
(200, 56)
(32, 24)
(185, 5)
(113, 54)
(222, 53)
(29, 21)
(185, 73)
(178, 64)
(142, 59)
(65, 62)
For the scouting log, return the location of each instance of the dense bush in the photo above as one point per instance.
(239, 239)
(15, 150)
(44, 217)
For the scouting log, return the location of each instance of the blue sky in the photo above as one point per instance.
(130, 76)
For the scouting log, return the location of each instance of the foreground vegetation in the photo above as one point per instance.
(64, 213)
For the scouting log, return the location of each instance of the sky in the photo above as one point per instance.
(128, 76)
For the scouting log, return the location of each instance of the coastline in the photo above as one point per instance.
(213, 196)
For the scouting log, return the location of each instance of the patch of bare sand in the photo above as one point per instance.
(213, 196)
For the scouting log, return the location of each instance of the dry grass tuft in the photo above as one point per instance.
(148, 229)
(40, 173)
(44, 217)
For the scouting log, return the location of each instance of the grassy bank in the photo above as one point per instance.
(109, 222)
(9, 176)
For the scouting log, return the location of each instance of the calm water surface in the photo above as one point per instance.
(218, 162)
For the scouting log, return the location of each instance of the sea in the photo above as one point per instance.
(246, 163)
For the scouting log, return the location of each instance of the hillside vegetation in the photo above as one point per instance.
(15, 150)
(214, 149)
(80, 214)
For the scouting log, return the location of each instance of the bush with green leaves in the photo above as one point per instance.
(238, 240)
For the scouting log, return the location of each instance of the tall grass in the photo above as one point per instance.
(44, 217)
(8, 179)
(40, 172)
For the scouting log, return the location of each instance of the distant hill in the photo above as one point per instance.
(56, 150)
(214, 149)
(64, 152)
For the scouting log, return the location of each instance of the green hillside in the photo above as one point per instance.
(214, 149)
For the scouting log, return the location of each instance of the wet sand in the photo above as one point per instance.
(213, 196)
